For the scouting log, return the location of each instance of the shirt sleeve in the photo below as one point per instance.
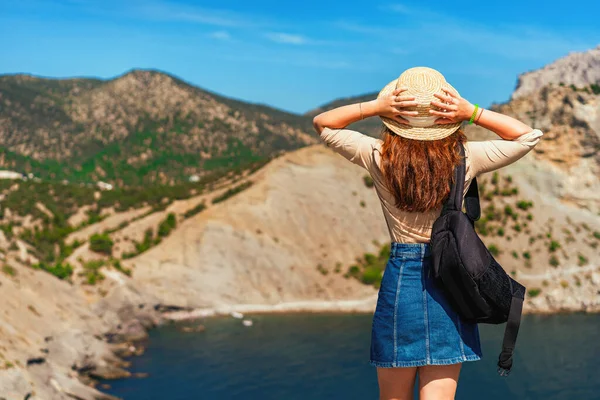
(490, 155)
(352, 145)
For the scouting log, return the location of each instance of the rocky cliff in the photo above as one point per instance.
(578, 69)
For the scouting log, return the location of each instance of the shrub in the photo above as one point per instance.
(495, 178)
(91, 271)
(527, 255)
(354, 270)
(500, 231)
(368, 181)
(338, 267)
(60, 270)
(481, 227)
(8, 270)
(8, 230)
(554, 245)
(322, 270)
(515, 254)
(517, 227)
(596, 234)
(363, 204)
(167, 225)
(232, 192)
(508, 211)
(101, 243)
(117, 265)
(529, 217)
(524, 205)
(494, 250)
(583, 260)
(534, 292)
(384, 253)
(371, 276)
(190, 213)
(564, 284)
(370, 259)
(554, 261)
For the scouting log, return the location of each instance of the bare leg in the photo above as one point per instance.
(438, 382)
(396, 383)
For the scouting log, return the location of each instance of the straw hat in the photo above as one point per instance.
(422, 84)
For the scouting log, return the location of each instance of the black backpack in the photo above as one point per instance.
(476, 285)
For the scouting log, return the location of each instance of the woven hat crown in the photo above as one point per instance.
(422, 83)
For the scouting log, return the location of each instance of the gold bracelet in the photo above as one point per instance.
(361, 113)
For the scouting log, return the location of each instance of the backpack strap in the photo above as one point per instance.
(471, 199)
(511, 331)
(472, 206)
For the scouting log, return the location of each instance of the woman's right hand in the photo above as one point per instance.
(392, 106)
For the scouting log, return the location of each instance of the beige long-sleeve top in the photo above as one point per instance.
(412, 227)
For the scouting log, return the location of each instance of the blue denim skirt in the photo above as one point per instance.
(414, 325)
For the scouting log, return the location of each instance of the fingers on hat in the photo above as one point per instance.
(396, 92)
(449, 91)
(444, 97)
(444, 106)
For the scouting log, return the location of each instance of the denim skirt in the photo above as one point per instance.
(413, 324)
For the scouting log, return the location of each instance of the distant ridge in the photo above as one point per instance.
(140, 127)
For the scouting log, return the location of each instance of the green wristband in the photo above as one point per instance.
(474, 114)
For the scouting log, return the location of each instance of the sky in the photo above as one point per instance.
(296, 55)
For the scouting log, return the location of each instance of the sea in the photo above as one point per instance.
(325, 356)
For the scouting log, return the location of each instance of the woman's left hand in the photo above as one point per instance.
(455, 108)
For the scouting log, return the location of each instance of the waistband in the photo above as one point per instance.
(410, 249)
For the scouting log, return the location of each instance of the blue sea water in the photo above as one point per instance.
(325, 356)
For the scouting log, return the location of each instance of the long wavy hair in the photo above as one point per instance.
(418, 172)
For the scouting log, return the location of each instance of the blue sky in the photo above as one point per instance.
(296, 55)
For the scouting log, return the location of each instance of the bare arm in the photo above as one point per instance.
(459, 109)
(388, 106)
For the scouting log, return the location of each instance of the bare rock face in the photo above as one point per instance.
(579, 69)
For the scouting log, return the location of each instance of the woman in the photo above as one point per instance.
(414, 328)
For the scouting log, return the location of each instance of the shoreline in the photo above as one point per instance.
(357, 306)
(362, 306)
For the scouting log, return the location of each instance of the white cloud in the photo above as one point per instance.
(220, 35)
(286, 38)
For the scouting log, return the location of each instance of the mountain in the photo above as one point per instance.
(577, 69)
(142, 127)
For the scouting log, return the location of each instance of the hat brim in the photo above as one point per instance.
(434, 132)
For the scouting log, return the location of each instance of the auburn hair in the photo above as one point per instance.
(418, 173)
